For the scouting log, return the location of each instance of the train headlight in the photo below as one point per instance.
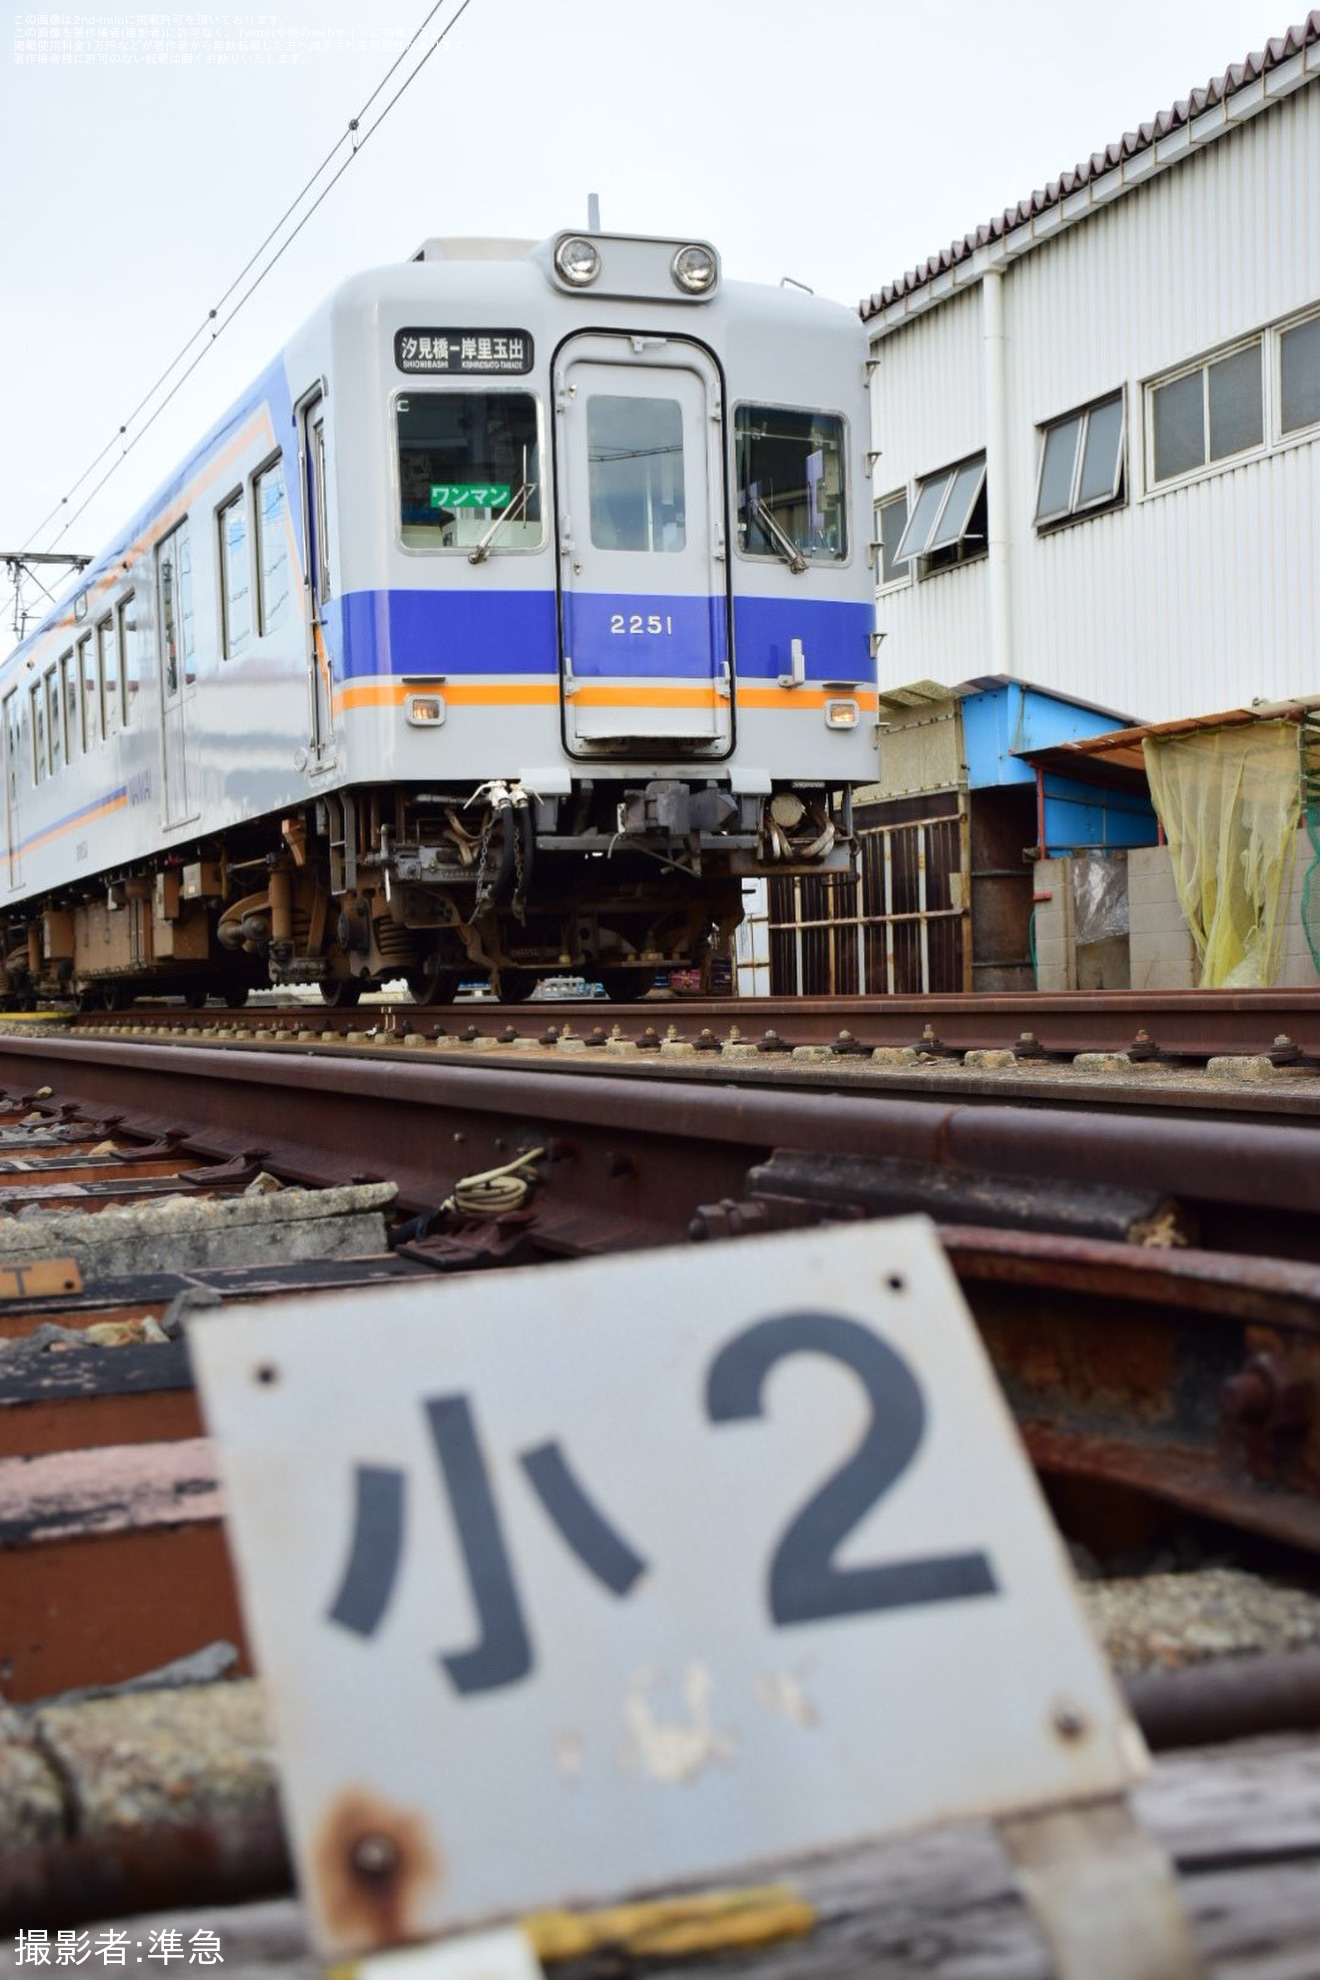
(842, 714)
(426, 711)
(577, 261)
(693, 269)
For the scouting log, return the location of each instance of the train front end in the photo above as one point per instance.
(601, 642)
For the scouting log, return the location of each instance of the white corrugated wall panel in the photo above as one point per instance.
(1187, 599)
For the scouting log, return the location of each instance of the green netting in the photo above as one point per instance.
(1230, 801)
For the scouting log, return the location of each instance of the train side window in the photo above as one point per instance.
(272, 547)
(130, 669)
(54, 717)
(178, 645)
(235, 581)
(37, 696)
(635, 471)
(469, 469)
(74, 668)
(92, 676)
(13, 743)
(107, 640)
(792, 492)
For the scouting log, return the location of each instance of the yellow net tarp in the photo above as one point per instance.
(1230, 802)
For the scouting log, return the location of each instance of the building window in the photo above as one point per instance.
(948, 520)
(1081, 462)
(1299, 375)
(1208, 414)
(272, 547)
(891, 514)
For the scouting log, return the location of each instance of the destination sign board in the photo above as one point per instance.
(451, 351)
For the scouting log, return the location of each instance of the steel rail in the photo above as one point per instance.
(1178, 1024)
(1189, 1374)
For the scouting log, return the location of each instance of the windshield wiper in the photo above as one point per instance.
(514, 510)
(779, 536)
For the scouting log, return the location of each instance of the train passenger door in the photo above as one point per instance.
(13, 745)
(644, 577)
(178, 671)
(311, 438)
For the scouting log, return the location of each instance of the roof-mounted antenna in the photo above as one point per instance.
(593, 213)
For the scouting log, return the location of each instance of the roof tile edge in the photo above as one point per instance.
(1280, 49)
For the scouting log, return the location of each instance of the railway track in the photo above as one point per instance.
(1149, 1287)
(1149, 1027)
(1147, 1281)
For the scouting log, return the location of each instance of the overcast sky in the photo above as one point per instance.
(836, 141)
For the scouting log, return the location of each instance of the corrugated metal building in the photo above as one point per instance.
(1097, 418)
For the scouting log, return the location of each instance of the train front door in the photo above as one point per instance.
(643, 560)
(178, 671)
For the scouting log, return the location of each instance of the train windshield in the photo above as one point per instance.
(469, 473)
(791, 490)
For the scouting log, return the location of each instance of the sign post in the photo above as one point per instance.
(628, 1573)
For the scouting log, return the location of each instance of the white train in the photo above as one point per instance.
(519, 610)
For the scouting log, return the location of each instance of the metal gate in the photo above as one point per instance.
(901, 926)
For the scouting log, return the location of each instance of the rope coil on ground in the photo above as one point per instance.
(492, 1192)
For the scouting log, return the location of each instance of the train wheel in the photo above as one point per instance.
(625, 986)
(432, 984)
(340, 992)
(118, 996)
(92, 998)
(517, 985)
(194, 997)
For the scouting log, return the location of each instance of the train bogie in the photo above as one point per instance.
(518, 613)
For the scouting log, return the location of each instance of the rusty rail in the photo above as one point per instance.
(1169, 1025)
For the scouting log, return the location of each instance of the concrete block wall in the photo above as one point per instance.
(1056, 954)
(1160, 947)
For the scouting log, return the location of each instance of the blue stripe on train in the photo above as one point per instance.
(514, 632)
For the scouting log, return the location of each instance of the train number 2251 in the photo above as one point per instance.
(638, 622)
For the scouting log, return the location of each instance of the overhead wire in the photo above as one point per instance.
(356, 138)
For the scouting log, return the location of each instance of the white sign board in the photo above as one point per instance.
(589, 1578)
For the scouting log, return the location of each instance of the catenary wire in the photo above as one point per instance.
(358, 139)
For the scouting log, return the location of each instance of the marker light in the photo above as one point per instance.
(577, 261)
(693, 269)
(426, 711)
(841, 714)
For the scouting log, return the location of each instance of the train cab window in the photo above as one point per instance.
(130, 671)
(71, 668)
(792, 496)
(469, 470)
(272, 547)
(635, 469)
(54, 720)
(235, 584)
(37, 696)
